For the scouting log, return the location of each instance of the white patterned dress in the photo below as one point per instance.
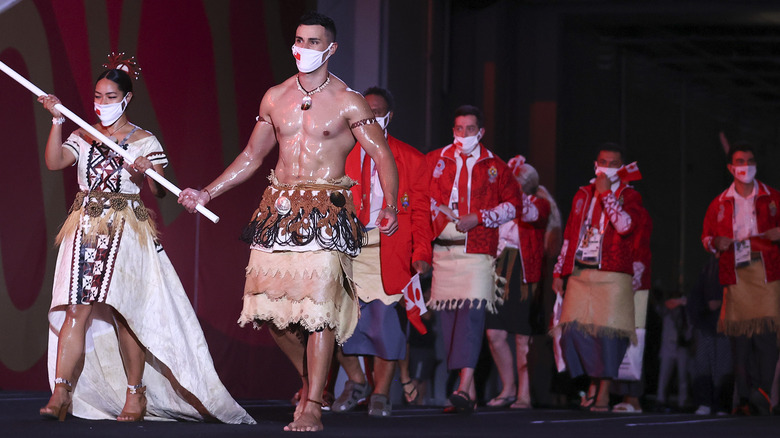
(109, 254)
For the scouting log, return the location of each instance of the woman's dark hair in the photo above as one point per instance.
(120, 78)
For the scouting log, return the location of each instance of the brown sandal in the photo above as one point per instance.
(59, 412)
(125, 416)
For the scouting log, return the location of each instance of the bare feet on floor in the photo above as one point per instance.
(298, 410)
(301, 399)
(307, 419)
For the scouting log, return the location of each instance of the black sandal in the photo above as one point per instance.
(410, 396)
(463, 402)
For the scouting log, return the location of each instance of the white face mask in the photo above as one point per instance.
(111, 112)
(745, 174)
(383, 121)
(467, 144)
(308, 60)
(611, 172)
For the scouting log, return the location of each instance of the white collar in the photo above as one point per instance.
(732, 192)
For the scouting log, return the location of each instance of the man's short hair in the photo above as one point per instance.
(470, 110)
(384, 94)
(742, 146)
(313, 18)
(612, 147)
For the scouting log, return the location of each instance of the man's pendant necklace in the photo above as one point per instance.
(306, 101)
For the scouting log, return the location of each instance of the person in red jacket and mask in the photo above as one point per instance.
(742, 227)
(472, 193)
(597, 318)
(385, 265)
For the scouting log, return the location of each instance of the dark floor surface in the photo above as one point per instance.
(19, 418)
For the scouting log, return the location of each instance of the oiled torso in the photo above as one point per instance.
(313, 143)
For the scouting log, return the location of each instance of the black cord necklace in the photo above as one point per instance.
(306, 101)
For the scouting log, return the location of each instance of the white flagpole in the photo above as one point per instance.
(99, 135)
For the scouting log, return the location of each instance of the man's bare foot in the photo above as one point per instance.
(298, 410)
(308, 419)
(306, 422)
(302, 400)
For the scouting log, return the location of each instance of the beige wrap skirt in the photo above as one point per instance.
(600, 303)
(751, 306)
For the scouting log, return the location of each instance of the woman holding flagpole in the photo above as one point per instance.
(124, 340)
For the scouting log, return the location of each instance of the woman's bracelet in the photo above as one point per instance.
(207, 192)
(393, 207)
(57, 120)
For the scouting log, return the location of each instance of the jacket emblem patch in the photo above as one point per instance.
(578, 207)
(492, 174)
(437, 171)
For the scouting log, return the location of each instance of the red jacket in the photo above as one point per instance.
(719, 222)
(412, 241)
(616, 248)
(492, 183)
(531, 236)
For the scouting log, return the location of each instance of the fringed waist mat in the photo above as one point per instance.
(298, 215)
(751, 306)
(600, 303)
(95, 213)
(460, 277)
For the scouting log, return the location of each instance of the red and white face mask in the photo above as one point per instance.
(308, 60)
(467, 145)
(745, 174)
(611, 172)
(111, 112)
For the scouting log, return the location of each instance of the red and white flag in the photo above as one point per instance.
(441, 215)
(516, 164)
(413, 294)
(415, 303)
(629, 172)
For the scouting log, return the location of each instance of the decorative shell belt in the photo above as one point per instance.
(98, 201)
(103, 210)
